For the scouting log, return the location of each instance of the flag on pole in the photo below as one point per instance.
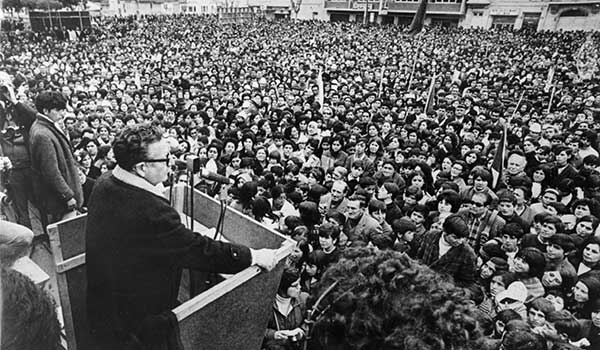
(417, 23)
(498, 163)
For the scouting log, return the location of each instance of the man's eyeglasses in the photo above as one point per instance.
(166, 160)
(477, 204)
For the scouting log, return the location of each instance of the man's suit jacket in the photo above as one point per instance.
(136, 248)
(364, 232)
(54, 169)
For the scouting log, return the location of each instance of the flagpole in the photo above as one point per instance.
(381, 81)
(430, 92)
(551, 97)
(499, 157)
(516, 108)
(411, 73)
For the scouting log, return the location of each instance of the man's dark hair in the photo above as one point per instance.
(29, 319)
(513, 230)
(131, 146)
(328, 229)
(508, 315)
(48, 100)
(456, 225)
(523, 340)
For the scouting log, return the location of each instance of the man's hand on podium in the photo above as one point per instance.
(265, 258)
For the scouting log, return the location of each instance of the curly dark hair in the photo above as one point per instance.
(29, 318)
(385, 300)
(131, 146)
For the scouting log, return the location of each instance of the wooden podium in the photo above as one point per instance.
(233, 314)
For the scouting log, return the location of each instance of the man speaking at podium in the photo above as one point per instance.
(137, 246)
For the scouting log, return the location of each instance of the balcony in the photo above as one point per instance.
(433, 7)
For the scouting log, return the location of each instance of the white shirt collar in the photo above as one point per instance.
(137, 181)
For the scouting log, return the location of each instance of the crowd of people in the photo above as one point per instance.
(344, 136)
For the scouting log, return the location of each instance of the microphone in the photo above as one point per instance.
(207, 171)
(209, 175)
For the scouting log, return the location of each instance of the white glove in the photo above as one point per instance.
(265, 258)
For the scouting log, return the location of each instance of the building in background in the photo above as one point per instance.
(511, 14)
(533, 14)
(401, 12)
(274, 9)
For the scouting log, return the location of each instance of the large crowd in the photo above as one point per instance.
(341, 136)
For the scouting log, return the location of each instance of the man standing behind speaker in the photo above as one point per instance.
(56, 184)
(136, 246)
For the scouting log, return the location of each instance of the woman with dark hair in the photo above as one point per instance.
(291, 133)
(591, 327)
(213, 151)
(312, 268)
(392, 144)
(307, 155)
(323, 153)
(588, 258)
(336, 151)
(261, 209)
(261, 157)
(385, 300)
(448, 203)
(286, 328)
(584, 230)
(309, 213)
(541, 176)
(229, 146)
(529, 265)
(102, 155)
(472, 159)
(583, 294)
(85, 161)
(585, 206)
(418, 179)
(457, 172)
(444, 166)
(248, 142)
(233, 162)
(374, 150)
(244, 198)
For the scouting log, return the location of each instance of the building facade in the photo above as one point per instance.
(533, 14)
(274, 9)
(444, 12)
(513, 14)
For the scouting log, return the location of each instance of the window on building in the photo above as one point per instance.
(478, 13)
(574, 13)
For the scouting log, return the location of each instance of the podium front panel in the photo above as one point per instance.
(237, 320)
